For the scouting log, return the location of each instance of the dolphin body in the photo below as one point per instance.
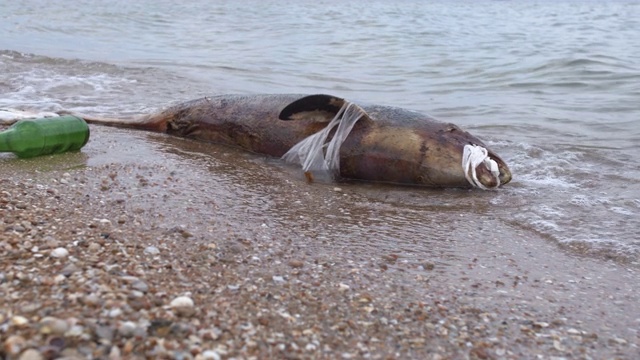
(386, 144)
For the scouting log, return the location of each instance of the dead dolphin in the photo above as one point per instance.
(386, 144)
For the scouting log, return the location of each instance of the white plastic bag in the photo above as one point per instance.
(318, 156)
(474, 155)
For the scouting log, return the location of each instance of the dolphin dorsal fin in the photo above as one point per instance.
(319, 108)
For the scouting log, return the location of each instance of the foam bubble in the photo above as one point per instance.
(587, 201)
(541, 168)
(621, 210)
(6, 115)
(48, 90)
(542, 225)
(545, 181)
(602, 246)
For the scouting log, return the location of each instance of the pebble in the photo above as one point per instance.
(428, 266)
(127, 329)
(92, 299)
(30, 308)
(573, 331)
(343, 287)
(151, 250)
(114, 353)
(209, 355)
(53, 326)
(94, 247)
(68, 270)
(51, 242)
(296, 264)
(21, 206)
(183, 306)
(136, 294)
(52, 350)
(59, 253)
(558, 346)
(19, 320)
(115, 312)
(31, 354)
(104, 333)
(618, 341)
(14, 345)
(540, 324)
(75, 331)
(71, 354)
(140, 286)
(159, 327)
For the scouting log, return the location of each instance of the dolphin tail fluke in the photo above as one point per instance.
(144, 122)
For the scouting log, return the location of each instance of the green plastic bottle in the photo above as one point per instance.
(35, 137)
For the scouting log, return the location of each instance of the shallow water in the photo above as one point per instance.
(554, 88)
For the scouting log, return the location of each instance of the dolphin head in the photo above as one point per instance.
(450, 155)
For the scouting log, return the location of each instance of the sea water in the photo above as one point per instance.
(552, 86)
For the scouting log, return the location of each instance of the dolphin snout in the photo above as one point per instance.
(488, 178)
(505, 173)
(483, 168)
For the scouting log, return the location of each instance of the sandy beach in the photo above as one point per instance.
(144, 246)
(128, 250)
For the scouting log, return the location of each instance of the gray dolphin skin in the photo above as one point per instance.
(387, 144)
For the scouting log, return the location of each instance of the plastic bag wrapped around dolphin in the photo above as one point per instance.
(328, 133)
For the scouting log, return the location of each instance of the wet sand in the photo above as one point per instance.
(144, 246)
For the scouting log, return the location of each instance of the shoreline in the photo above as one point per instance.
(140, 228)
